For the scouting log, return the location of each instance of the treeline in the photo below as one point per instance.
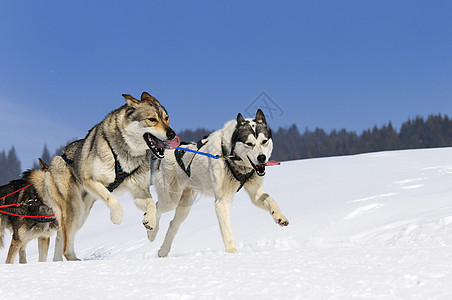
(290, 144)
(9, 166)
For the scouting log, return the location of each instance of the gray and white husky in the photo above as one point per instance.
(246, 145)
(114, 156)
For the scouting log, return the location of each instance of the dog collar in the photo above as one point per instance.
(240, 177)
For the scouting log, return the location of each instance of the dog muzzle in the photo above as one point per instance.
(158, 146)
(260, 168)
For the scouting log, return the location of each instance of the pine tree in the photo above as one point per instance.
(2, 167)
(45, 156)
(9, 166)
(290, 144)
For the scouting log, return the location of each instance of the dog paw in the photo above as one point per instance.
(152, 233)
(71, 257)
(163, 251)
(116, 215)
(147, 226)
(75, 259)
(280, 219)
(282, 222)
(162, 254)
(148, 222)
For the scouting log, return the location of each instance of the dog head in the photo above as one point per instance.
(148, 120)
(252, 141)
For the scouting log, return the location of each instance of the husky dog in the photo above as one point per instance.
(179, 176)
(70, 203)
(114, 156)
(26, 229)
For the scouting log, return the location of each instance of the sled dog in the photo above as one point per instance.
(114, 156)
(26, 229)
(181, 175)
(66, 196)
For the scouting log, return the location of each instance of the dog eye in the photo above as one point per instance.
(264, 142)
(152, 119)
(167, 118)
(249, 144)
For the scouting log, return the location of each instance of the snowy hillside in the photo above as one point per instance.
(375, 226)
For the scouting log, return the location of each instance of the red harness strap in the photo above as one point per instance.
(15, 191)
(18, 204)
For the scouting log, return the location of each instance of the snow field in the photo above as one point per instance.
(371, 226)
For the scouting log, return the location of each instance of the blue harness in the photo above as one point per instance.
(120, 174)
(179, 154)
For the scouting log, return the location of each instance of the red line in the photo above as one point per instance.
(9, 205)
(15, 191)
(18, 204)
(33, 217)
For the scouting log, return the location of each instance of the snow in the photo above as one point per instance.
(371, 226)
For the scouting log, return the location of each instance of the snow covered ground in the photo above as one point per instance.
(375, 226)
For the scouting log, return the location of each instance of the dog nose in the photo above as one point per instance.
(170, 134)
(261, 158)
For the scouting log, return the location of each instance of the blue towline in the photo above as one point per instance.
(199, 152)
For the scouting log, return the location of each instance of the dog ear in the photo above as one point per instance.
(130, 100)
(44, 166)
(260, 117)
(148, 97)
(240, 120)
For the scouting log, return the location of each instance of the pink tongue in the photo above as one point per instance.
(173, 144)
(273, 163)
(270, 163)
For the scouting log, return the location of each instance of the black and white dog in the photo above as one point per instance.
(245, 146)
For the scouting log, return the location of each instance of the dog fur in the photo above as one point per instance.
(26, 229)
(248, 144)
(129, 135)
(65, 195)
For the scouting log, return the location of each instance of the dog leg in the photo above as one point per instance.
(13, 249)
(59, 244)
(223, 211)
(168, 201)
(143, 200)
(68, 249)
(153, 233)
(263, 200)
(2, 231)
(99, 191)
(23, 254)
(149, 220)
(43, 248)
(180, 215)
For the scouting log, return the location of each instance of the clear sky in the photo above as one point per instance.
(326, 64)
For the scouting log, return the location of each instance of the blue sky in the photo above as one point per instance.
(326, 64)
